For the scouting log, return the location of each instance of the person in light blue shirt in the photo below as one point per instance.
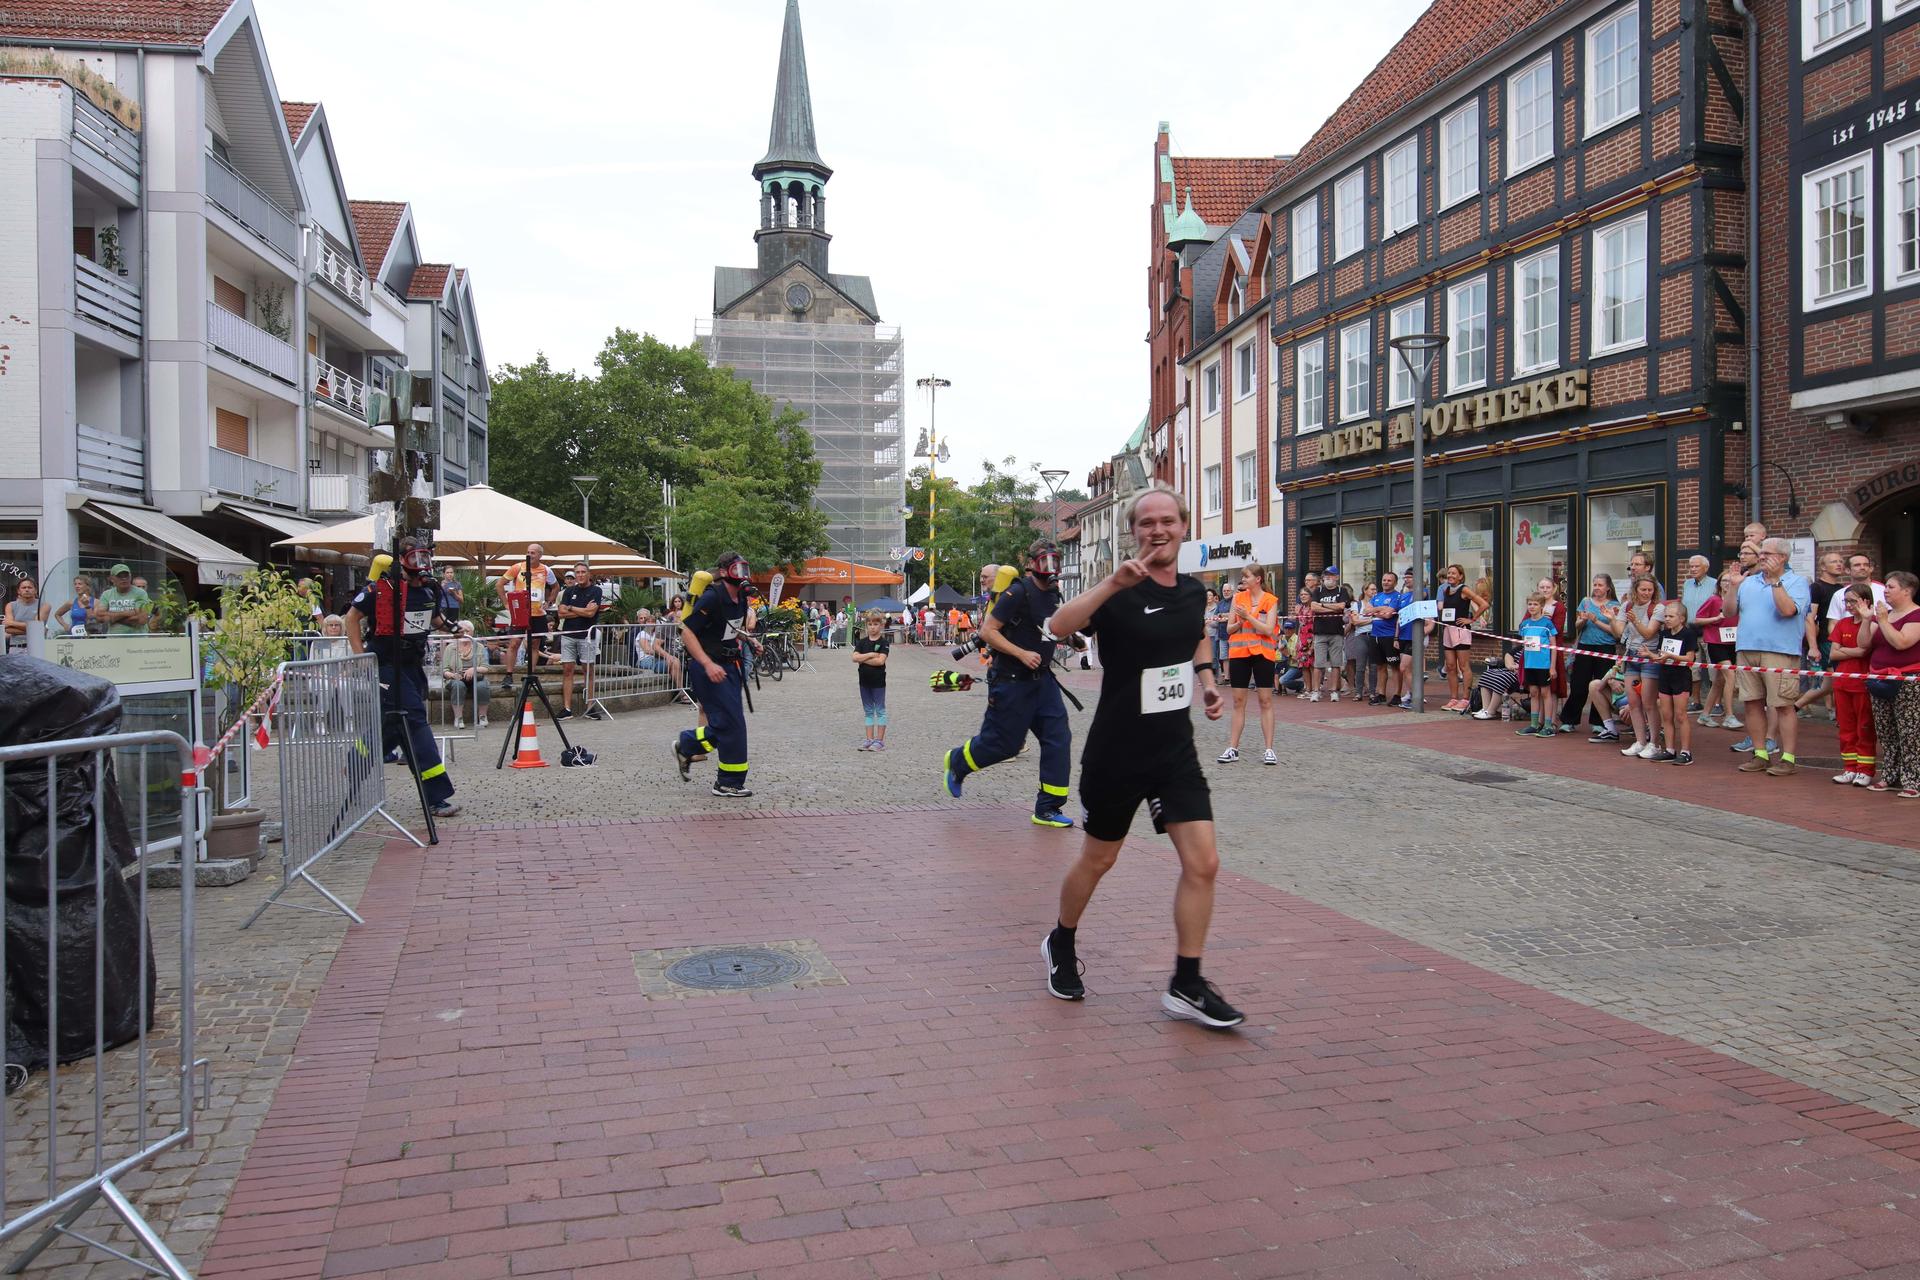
(1411, 650)
(1537, 637)
(1772, 621)
(1382, 641)
(1696, 589)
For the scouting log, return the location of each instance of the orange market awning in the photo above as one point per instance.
(825, 571)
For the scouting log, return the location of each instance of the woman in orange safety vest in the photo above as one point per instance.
(1252, 626)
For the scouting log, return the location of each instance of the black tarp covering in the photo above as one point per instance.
(43, 702)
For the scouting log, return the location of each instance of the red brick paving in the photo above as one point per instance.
(1809, 800)
(481, 1091)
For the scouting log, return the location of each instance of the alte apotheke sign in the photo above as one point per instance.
(1464, 415)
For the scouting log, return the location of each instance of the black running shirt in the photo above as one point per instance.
(1146, 625)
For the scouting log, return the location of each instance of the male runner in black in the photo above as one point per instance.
(1150, 621)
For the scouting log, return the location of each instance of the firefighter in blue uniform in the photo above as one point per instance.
(716, 678)
(1023, 695)
(400, 605)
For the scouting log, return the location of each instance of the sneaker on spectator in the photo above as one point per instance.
(1745, 744)
(1845, 778)
(1731, 722)
(1314, 696)
(1684, 757)
(1335, 695)
(1649, 751)
(1229, 756)
(1484, 713)
(1863, 780)
(458, 723)
(1658, 757)
(1268, 757)
(1694, 706)
(1606, 735)
(1633, 750)
(483, 722)
(1706, 721)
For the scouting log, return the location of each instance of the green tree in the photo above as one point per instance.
(744, 475)
(989, 522)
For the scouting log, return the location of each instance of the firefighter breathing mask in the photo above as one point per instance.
(736, 570)
(416, 558)
(1045, 564)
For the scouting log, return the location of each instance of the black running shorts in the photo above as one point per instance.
(1255, 671)
(1173, 791)
(1386, 649)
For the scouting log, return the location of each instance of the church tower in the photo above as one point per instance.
(810, 338)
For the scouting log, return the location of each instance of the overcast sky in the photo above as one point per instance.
(589, 163)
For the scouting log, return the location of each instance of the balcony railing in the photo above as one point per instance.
(252, 208)
(109, 460)
(341, 390)
(106, 136)
(338, 270)
(105, 296)
(341, 494)
(253, 479)
(252, 345)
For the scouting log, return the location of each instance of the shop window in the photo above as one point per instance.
(1411, 318)
(1356, 370)
(1620, 271)
(1306, 237)
(1903, 210)
(1536, 319)
(1359, 554)
(1530, 109)
(1826, 23)
(1613, 69)
(1400, 559)
(1837, 205)
(1403, 186)
(1467, 317)
(1619, 524)
(1468, 541)
(1312, 360)
(1538, 545)
(1460, 154)
(1350, 214)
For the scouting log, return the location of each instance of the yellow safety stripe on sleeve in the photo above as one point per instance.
(733, 768)
(434, 772)
(1052, 790)
(966, 752)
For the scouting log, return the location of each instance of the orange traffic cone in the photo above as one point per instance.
(529, 757)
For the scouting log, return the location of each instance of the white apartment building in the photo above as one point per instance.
(195, 320)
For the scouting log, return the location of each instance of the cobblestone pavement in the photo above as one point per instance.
(1790, 949)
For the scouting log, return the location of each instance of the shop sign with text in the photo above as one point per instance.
(1266, 545)
(126, 660)
(1464, 415)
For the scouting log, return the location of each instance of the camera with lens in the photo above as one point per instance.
(972, 644)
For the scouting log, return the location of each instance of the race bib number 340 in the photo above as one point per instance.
(1166, 688)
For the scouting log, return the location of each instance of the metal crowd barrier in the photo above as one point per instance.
(96, 899)
(332, 779)
(636, 658)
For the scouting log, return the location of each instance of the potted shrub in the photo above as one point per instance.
(258, 614)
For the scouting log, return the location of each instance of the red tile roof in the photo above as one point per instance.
(297, 114)
(1449, 37)
(429, 281)
(178, 22)
(374, 225)
(1223, 188)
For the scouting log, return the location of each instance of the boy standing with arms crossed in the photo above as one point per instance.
(870, 655)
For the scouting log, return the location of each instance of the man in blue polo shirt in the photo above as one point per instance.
(1772, 619)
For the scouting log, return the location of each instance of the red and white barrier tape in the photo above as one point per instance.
(1708, 666)
(262, 707)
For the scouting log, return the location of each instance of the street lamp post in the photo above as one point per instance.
(935, 453)
(584, 486)
(1417, 351)
(1053, 476)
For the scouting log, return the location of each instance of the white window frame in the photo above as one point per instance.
(1548, 321)
(1812, 46)
(1603, 251)
(1310, 386)
(1810, 298)
(1627, 18)
(1516, 162)
(1894, 8)
(1356, 370)
(1246, 481)
(1210, 483)
(1210, 389)
(1305, 249)
(1895, 276)
(1247, 379)
(1350, 214)
(1408, 317)
(1467, 114)
(1402, 180)
(1457, 349)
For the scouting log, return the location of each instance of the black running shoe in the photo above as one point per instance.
(1203, 1006)
(564, 713)
(1063, 978)
(595, 713)
(685, 762)
(731, 793)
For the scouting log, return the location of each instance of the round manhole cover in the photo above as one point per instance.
(736, 968)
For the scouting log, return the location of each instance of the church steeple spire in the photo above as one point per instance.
(793, 177)
(790, 142)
